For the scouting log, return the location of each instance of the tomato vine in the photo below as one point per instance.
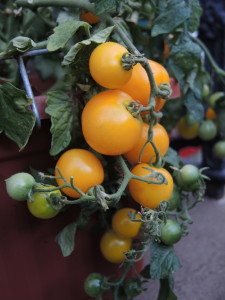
(73, 41)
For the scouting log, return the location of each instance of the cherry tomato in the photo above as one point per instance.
(40, 207)
(138, 87)
(123, 225)
(207, 130)
(160, 139)
(87, 16)
(85, 168)
(188, 186)
(19, 185)
(105, 65)
(113, 246)
(174, 199)
(219, 149)
(150, 194)
(186, 129)
(189, 174)
(205, 91)
(171, 232)
(132, 287)
(108, 127)
(210, 114)
(92, 284)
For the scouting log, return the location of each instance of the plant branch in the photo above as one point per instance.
(123, 36)
(217, 69)
(83, 4)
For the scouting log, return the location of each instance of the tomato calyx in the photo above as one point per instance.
(98, 192)
(134, 108)
(129, 60)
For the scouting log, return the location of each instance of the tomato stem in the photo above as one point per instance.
(216, 68)
(84, 4)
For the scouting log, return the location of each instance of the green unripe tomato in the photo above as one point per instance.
(190, 119)
(171, 232)
(19, 185)
(92, 284)
(132, 287)
(207, 130)
(40, 207)
(189, 174)
(219, 149)
(205, 91)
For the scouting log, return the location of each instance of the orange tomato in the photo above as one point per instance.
(108, 127)
(138, 86)
(150, 194)
(160, 139)
(105, 65)
(123, 225)
(210, 114)
(89, 17)
(187, 131)
(85, 168)
(113, 246)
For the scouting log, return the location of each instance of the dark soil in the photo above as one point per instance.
(202, 255)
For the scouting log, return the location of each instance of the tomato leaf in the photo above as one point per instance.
(184, 56)
(98, 38)
(172, 158)
(187, 66)
(163, 23)
(61, 109)
(17, 120)
(146, 272)
(164, 261)
(63, 33)
(165, 291)
(194, 106)
(65, 16)
(49, 66)
(104, 6)
(196, 12)
(66, 239)
(20, 44)
(172, 112)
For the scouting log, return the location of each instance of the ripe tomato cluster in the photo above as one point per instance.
(116, 241)
(113, 125)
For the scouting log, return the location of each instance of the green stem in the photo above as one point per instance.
(217, 69)
(123, 276)
(128, 175)
(83, 4)
(154, 88)
(123, 36)
(71, 183)
(80, 200)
